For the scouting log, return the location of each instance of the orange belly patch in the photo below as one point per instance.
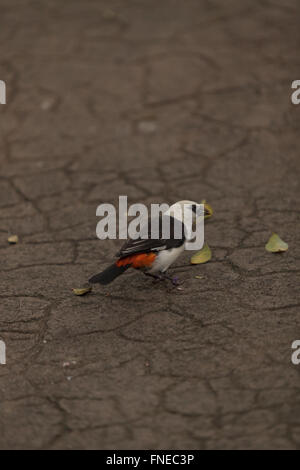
(137, 261)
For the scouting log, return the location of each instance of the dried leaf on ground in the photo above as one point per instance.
(202, 256)
(13, 239)
(276, 244)
(82, 290)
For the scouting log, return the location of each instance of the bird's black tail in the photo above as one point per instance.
(108, 275)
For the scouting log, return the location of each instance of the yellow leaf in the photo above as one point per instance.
(13, 239)
(202, 256)
(82, 290)
(208, 208)
(276, 245)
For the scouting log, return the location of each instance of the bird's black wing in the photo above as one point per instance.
(174, 239)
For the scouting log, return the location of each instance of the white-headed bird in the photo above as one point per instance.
(154, 256)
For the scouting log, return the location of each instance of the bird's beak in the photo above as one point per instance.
(205, 212)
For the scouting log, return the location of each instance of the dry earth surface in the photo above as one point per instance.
(159, 100)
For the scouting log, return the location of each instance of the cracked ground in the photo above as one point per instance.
(161, 101)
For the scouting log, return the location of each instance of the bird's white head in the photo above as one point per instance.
(178, 210)
(188, 212)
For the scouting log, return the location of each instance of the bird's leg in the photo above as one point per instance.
(156, 277)
(175, 281)
(163, 277)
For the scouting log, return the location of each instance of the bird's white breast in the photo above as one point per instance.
(165, 258)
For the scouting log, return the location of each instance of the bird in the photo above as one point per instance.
(154, 256)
